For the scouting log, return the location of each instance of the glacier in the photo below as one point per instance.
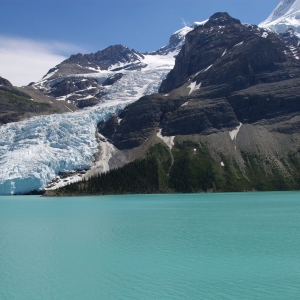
(35, 151)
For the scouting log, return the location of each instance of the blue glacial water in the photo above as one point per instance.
(194, 246)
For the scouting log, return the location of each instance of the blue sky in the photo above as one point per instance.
(44, 32)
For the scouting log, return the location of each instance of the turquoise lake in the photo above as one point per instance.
(190, 246)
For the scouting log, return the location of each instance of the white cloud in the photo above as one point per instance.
(23, 60)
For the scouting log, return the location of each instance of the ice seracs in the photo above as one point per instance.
(35, 151)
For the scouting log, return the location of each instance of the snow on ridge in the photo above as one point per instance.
(185, 30)
(207, 68)
(47, 76)
(286, 15)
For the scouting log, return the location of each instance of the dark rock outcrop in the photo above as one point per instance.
(241, 55)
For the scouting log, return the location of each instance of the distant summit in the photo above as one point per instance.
(177, 39)
(285, 16)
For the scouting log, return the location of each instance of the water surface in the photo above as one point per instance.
(200, 246)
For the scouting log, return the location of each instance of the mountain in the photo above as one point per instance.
(226, 73)
(17, 104)
(57, 149)
(228, 111)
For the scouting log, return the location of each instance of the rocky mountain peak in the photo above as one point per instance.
(221, 19)
(105, 58)
(218, 40)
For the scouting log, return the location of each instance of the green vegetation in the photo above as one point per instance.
(193, 169)
(190, 168)
(140, 176)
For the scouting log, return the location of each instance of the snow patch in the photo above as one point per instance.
(50, 75)
(233, 133)
(169, 140)
(194, 86)
(294, 51)
(238, 44)
(208, 68)
(68, 108)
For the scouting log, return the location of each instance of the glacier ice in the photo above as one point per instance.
(34, 151)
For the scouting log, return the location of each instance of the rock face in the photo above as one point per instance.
(228, 111)
(226, 73)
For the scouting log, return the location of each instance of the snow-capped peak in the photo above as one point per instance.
(177, 39)
(185, 30)
(286, 15)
